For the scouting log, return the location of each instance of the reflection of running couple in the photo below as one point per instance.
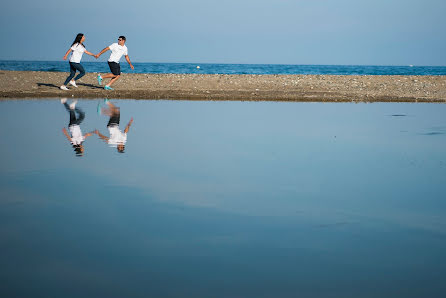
(116, 139)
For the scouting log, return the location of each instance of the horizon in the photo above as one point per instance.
(228, 63)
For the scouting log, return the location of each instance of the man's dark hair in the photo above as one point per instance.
(122, 37)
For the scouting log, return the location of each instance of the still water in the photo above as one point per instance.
(222, 199)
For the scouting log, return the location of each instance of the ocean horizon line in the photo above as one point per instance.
(229, 63)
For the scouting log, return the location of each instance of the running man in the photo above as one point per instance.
(117, 50)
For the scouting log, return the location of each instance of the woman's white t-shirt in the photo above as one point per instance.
(76, 134)
(76, 54)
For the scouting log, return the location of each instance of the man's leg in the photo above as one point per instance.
(108, 76)
(113, 80)
(115, 69)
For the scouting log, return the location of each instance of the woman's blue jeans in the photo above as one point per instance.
(73, 68)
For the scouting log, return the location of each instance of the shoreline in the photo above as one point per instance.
(305, 88)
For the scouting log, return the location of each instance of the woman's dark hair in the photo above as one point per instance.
(122, 37)
(78, 39)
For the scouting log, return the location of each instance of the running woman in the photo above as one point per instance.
(117, 50)
(76, 50)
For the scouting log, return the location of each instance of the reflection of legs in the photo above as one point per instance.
(115, 114)
(110, 110)
(81, 116)
(73, 119)
(72, 114)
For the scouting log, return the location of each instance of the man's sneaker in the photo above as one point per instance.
(99, 79)
(72, 82)
(98, 108)
(63, 87)
(63, 100)
(73, 105)
(108, 87)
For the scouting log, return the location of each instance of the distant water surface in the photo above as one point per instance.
(223, 199)
(208, 68)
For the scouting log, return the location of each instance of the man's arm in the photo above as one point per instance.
(128, 125)
(128, 61)
(102, 52)
(101, 135)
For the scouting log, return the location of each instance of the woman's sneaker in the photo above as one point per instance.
(63, 87)
(72, 82)
(108, 87)
(99, 79)
(73, 105)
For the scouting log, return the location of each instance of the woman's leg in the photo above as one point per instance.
(81, 70)
(72, 73)
(73, 119)
(81, 116)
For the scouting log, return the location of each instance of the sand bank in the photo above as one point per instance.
(33, 84)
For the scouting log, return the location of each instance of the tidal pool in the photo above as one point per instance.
(222, 199)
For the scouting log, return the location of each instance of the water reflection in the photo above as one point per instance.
(117, 138)
(75, 137)
(261, 201)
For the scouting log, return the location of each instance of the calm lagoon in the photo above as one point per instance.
(224, 199)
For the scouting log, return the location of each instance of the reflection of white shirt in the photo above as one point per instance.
(76, 134)
(116, 52)
(76, 54)
(117, 137)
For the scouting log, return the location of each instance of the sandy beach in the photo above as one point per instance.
(328, 88)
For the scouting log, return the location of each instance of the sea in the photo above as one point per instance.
(218, 68)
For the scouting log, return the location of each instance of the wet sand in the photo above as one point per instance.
(34, 84)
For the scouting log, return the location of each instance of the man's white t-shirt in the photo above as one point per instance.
(76, 54)
(116, 52)
(117, 137)
(76, 134)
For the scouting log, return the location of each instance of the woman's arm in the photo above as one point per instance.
(64, 130)
(66, 54)
(89, 53)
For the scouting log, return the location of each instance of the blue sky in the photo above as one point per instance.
(368, 32)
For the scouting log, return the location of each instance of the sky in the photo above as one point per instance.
(323, 32)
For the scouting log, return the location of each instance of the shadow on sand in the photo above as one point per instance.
(79, 84)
